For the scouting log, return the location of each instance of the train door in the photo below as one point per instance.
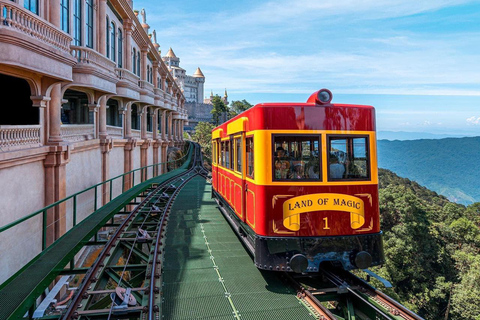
(238, 182)
(249, 186)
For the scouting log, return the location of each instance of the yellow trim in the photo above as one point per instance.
(238, 125)
(253, 225)
(240, 214)
(217, 133)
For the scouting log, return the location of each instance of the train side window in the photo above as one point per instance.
(227, 154)
(214, 152)
(222, 153)
(249, 154)
(232, 154)
(238, 147)
(348, 158)
(296, 157)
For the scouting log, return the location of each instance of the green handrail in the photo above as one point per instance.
(74, 196)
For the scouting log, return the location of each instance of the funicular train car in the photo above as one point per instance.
(299, 184)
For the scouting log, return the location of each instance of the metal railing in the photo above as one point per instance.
(127, 180)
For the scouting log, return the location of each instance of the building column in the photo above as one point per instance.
(143, 123)
(143, 64)
(170, 133)
(155, 72)
(127, 25)
(102, 118)
(128, 121)
(163, 124)
(128, 162)
(164, 82)
(102, 27)
(54, 115)
(155, 124)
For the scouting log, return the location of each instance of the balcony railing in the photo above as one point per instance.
(89, 56)
(136, 133)
(14, 16)
(115, 132)
(126, 75)
(77, 132)
(19, 137)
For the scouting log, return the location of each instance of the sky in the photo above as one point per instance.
(417, 62)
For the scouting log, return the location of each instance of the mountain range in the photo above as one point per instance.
(450, 166)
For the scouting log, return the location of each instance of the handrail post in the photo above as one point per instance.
(95, 205)
(123, 183)
(111, 192)
(44, 230)
(74, 210)
(133, 179)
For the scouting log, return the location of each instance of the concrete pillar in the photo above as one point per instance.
(102, 118)
(143, 123)
(54, 13)
(102, 27)
(170, 122)
(127, 25)
(128, 121)
(54, 110)
(155, 125)
(155, 74)
(164, 81)
(164, 124)
(143, 64)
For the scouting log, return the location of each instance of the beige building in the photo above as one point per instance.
(85, 97)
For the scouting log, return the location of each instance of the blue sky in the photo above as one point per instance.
(417, 62)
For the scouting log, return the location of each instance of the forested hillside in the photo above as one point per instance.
(432, 250)
(447, 166)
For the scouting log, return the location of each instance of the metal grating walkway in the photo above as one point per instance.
(208, 274)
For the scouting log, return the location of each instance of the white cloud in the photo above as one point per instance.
(473, 120)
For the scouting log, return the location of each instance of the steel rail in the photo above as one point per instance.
(89, 276)
(152, 308)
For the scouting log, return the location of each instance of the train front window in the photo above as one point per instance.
(348, 158)
(296, 157)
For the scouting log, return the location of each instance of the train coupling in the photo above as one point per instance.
(384, 281)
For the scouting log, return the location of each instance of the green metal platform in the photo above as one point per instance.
(208, 274)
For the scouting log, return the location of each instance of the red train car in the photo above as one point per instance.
(299, 183)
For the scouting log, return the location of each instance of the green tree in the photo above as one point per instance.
(218, 109)
(203, 135)
(237, 107)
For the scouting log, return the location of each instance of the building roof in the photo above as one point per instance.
(198, 73)
(170, 53)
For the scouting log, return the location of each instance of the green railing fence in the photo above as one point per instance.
(69, 205)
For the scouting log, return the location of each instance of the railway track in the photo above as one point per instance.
(347, 296)
(125, 278)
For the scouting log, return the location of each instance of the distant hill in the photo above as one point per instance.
(449, 166)
(403, 135)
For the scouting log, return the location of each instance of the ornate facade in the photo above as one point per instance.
(88, 98)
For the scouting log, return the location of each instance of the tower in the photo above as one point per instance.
(200, 80)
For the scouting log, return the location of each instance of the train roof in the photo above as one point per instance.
(312, 115)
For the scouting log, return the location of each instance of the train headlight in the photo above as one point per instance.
(324, 96)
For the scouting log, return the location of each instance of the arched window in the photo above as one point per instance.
(134, 58)
(77, 22)
(107, 34)
(89, 24)
(138, 64)
(65, 15)
(112, 40)
(120, 48)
